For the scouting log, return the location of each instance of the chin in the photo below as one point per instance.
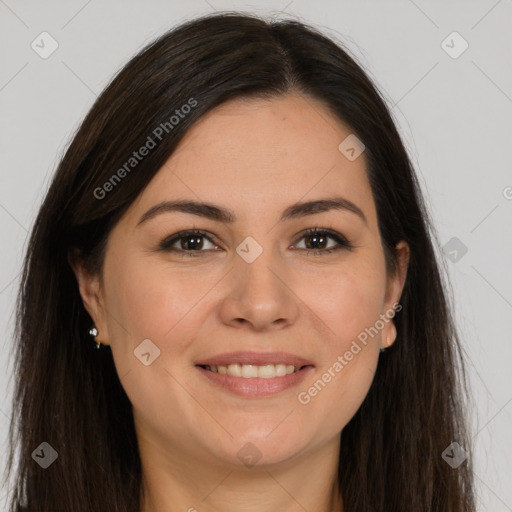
(260, 448)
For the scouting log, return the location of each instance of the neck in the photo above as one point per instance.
(174, 481)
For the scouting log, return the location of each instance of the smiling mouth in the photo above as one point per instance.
(249, 371)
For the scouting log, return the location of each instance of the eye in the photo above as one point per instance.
(192, 242)
(189, 242)
(317, 241)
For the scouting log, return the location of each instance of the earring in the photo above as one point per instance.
(94, 332)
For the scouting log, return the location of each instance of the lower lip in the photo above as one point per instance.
(256, 387)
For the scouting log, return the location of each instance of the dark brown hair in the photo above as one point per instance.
(69, 395)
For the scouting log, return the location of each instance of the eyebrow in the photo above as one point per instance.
(220, 214)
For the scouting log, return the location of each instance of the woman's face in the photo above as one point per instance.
(253, 288)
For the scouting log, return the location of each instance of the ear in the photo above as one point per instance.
(395, 285)
(89, 285)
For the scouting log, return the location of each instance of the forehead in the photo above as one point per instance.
(266, 153)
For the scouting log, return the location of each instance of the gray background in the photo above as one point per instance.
(454, 115)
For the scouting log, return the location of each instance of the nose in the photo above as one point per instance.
(260, 295)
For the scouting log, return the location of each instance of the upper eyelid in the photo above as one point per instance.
(172, 239)
(331, 233)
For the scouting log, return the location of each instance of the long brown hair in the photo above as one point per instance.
(68, 394)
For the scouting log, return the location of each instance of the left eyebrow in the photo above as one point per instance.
(220, 214)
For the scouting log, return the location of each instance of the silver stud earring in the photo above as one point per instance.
(93, 333)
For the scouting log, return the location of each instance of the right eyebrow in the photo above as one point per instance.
(220, 214)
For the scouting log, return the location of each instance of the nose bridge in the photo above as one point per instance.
(259, 293)
(256, 268)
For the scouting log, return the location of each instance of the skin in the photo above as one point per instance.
(255, 157)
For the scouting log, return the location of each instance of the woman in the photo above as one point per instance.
(238, 226)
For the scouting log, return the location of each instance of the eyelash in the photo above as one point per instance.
(343, 243)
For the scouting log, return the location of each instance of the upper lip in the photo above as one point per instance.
(254, 358)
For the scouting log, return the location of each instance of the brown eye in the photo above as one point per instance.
(317, 241)
(187, 241)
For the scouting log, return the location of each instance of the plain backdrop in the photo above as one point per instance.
(453, 106)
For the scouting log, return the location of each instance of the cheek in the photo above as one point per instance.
(146, 302)
(349, 304)
(151, 301)
(336, 396)
(347, 300)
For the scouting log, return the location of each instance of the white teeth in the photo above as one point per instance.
(266, 372)
(235, 370)
(280, 370)
(248, 371)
